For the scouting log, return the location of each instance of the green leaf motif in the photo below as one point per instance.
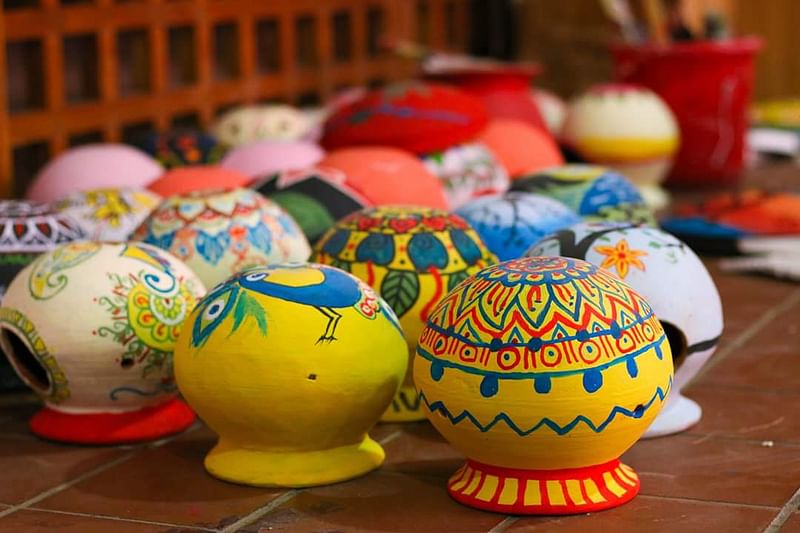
(400, 290)
(246, 306)
(455, 279)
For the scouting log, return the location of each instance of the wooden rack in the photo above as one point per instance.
(80, 71)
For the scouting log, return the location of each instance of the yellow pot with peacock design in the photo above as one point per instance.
(90, 327)
(543, 371)
(412, 256)
(291, 365)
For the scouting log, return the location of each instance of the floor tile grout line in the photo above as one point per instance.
(784, 514)
(504, 524)
(748, 333)
(714, 502)
(119, 519)
(63, 486)
(286, 496)
(261, 511)
(91, 473)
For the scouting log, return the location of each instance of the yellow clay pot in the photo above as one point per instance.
(543, 371)
(412, 256)
(291, 365)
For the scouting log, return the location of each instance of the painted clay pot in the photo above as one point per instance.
(542, 372)
(627, 128)
(248, 124)
(93, 166)
(504, 88)
(291, 365)
(109, 214)
(418, 117)
(315, 197)
(676, 284)
(412, 256)
(467, 171)
(184, 180)
(520, 147)
(182, 148)
(219, 233)
(387, 176)
(511, 223)
(595, 193)
(28, 229)
(90, 327)
(260, 158)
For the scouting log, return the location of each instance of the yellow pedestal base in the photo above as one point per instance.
(405, 407)
(268, 468)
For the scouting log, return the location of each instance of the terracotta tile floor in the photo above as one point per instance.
(738, 470)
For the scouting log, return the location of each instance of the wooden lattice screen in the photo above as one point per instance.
(80, 71)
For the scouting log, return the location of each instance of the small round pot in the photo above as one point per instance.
(219, 233)
(90, 327)
(542, 372)
(511, 223)
(676, 284)
(467, 171)
(315, 197)
(93, 166)
(628, 128)
(412, 256)
(109, 215)
(291, 365)
(595, 193)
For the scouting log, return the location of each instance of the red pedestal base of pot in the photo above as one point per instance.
(544, 492)
(146, 424)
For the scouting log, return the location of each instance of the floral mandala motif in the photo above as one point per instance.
(145, 322)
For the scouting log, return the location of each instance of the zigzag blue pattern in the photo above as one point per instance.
(659, 394)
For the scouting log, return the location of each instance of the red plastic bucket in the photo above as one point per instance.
(709, 86)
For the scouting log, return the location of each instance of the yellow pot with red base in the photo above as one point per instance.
(412, 256)
(542, 372)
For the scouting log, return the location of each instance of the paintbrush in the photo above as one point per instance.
(619, 11)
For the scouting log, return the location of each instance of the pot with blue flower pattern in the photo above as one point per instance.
(412, 256)
(676, 284)
(543, 371)
(291, 365)
(91, 327)
(220, 233)
(594, 192)
(510, 223)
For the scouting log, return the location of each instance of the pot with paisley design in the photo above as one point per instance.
(90, 327)
(291, 365)
(412, 256)
(218, 233)
(675, 282)
(542, 371)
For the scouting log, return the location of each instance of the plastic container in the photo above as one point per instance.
(709, 86)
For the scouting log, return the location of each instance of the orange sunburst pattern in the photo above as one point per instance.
(621, 257)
